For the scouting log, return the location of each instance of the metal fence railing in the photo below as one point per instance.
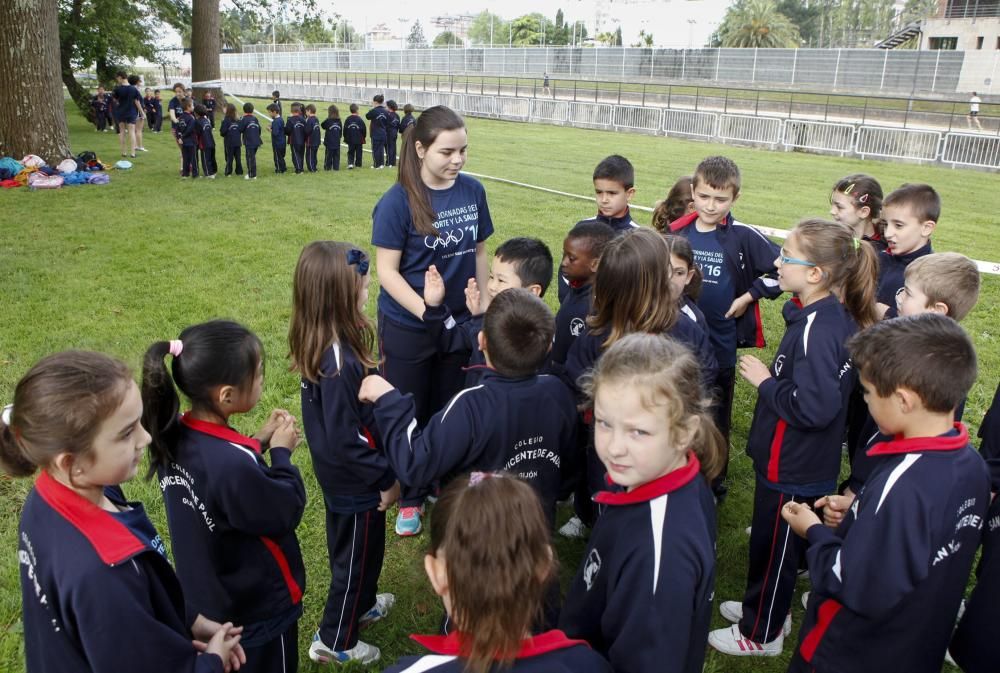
(901, 70)
(956, 148)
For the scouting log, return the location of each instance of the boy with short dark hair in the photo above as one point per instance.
(187, 138)
(582, 250)
(158, 108)
(206, 142)
(888, 582)
(149, 107)
(518, 263)
(515, 420)
(737, 266)
(334, 129)
(276, 100)
(391, 133)
(312, 138)
(99, 103)
(354, 136)
(278, 143)
(408, 120)
(250, 130)
(295, 129)
(910, 214)
(379, 118)
(208, 100)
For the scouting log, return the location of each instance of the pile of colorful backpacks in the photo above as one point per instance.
(33, 172)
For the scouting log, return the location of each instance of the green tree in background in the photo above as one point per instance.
(447, 39)
(757, 23)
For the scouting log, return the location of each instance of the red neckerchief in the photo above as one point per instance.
(543, 643)
(668, 483)
(220, 431)
(897, 444)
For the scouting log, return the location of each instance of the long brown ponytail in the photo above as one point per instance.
(430, 124)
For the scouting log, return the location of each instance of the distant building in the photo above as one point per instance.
(965, 25)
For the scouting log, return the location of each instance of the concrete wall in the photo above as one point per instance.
(968, 32)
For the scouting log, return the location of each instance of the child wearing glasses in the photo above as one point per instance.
(737, 267)
(799, 419)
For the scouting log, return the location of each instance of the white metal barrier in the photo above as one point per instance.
(971, 149)
(636, 118)
(515, 109)
(691, 123)
(893, 143)
(750, 129)
(956, 148)
(590, 115)
(549, 110)
(819, 136)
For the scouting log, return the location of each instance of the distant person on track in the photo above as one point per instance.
(973, 116)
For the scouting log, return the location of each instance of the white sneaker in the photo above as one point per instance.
(573, 528)
(323, 654)
(246, 177)
(805, 600)
(732, 611)
(383, 603)
(748, 529)
(142, 149)
(731, 641)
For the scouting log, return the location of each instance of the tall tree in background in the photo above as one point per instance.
(757, 23)
(32, 116)
(416, 39)
(447, 39)
(488, 28)
(206, 43)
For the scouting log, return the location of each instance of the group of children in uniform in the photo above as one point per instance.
(302, 132)
(467, 385)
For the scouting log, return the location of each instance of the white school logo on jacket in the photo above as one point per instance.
(576, 327)
(591, 569)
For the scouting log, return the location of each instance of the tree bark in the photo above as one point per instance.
(206, 43)
(33, 115)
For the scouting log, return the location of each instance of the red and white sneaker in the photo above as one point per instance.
(732, 611)
(731, 641)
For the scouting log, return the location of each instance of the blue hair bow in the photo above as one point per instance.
(359, 258)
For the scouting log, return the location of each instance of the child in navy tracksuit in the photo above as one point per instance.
(232, 516)
(276, 100)
(643, 594)
(354, 136)
(379, 118)
(187, 138)
(888, 582)
(582, 250)
(278, 143)
(99, 103)
(614, 187)
(158, 108)
(799, 420)
(944, 282)
(206, 142)
(229, 129)
(97, 590)
(631, 294)
(331, 343)
(518, 262)
(295, 129)
(972, 646)
(911, 214)
(685, 278)
(313, 138)
(514, 564)
(408, 120)
(250, 130)
(514, 420)
(333, 128)
(737, 267)
(391, 133)
(208, 100)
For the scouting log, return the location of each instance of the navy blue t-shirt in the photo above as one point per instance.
(716, 294)
(463, 221)
(175, 105)
(135, 520)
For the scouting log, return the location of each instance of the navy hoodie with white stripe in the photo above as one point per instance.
(750, 260)
(587, 349)
(888, 582)
(454, 336)
(619, 224)
(891, 269)
(232, 525)
(549, 652)
(973, 646)
(519, 425)
(339, 429)
(571, 319)
(643, 594)
(798, 423)
(96, 594)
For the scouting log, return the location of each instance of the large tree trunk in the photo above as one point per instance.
(206, 44)
(32, 116)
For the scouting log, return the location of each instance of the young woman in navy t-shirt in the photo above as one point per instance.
(432, 215)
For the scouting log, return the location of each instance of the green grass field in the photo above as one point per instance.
(113, 268)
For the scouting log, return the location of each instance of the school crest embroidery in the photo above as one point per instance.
(576, 327)
(591, 568)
